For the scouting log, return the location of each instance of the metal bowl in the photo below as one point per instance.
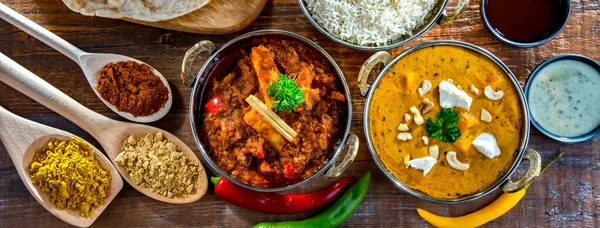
(499, 36)
(437, 16)
(220, 62)
(577, 139)
(522, 153)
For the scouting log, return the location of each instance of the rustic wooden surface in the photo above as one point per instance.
(567, 195)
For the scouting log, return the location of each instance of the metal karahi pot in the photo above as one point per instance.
(220, 61)
(521, 153)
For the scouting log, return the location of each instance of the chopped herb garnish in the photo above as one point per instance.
(444, 128)
(286, 94)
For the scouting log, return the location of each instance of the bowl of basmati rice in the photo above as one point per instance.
(377, 24)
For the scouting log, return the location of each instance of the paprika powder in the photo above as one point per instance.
(132, 87)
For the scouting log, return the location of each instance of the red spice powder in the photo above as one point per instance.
(132, 88)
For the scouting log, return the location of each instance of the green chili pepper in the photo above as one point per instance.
(335, 215)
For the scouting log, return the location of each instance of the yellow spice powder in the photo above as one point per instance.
(68, 172)
(156, 163)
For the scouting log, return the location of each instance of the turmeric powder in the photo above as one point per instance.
(68, 172)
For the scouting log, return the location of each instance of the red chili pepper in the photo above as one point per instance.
(276, 203)
(214, 103)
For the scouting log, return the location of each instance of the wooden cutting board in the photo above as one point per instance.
(217, 17)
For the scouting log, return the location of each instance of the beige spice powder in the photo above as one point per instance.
(155, 162)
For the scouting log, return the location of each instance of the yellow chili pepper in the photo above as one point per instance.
(490, 212)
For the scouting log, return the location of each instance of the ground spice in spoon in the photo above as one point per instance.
(68, 172)
(132, 88)
(155, 162)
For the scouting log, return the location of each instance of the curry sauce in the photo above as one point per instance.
(244, 144)
(397, 92)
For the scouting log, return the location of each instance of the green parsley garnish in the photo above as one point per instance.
(445, 127)
(286, 93)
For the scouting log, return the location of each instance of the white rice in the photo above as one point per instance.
(370, 22)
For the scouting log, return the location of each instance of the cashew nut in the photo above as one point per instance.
(418, 118)
(425, 87)
(407, 117)
(486, 116)
(490, 94)
(403, 127)
(474, 89)
(428, 106)
(454, 163)
(434, 151)
(404, 136)
(425, 140)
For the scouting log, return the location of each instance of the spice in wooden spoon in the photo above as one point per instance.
(90, 63)
(69, 173)
(22, 138)
(164, 168)
(132, 87)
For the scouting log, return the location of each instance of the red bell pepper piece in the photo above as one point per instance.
(275, 203)
(260, 151)
(214, 103)
(289, 171)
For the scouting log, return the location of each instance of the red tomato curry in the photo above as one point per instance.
(262, 157)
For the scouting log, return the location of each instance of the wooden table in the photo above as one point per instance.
(568, 194)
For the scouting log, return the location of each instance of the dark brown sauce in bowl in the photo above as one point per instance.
(525, 23)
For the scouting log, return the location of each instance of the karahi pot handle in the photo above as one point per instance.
(339, 167)
(535, 165)
(448, 19)
(205, 46)
(382, 57)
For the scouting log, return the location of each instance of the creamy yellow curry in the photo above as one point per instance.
(397, 92)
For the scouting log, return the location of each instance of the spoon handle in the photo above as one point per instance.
(40, 33)
(10, 128)
(41, 91)
(17, 133)
(16, 137)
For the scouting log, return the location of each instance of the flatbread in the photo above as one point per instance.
(140, 10)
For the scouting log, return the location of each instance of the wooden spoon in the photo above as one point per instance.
(22, 138)
(110, 133)
(90, 63)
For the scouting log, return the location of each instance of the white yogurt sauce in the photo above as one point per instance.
(564, 98)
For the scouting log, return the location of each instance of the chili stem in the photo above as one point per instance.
(553, 160)
(546, 167)
(215, 180)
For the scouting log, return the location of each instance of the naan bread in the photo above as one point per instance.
(141, 10)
